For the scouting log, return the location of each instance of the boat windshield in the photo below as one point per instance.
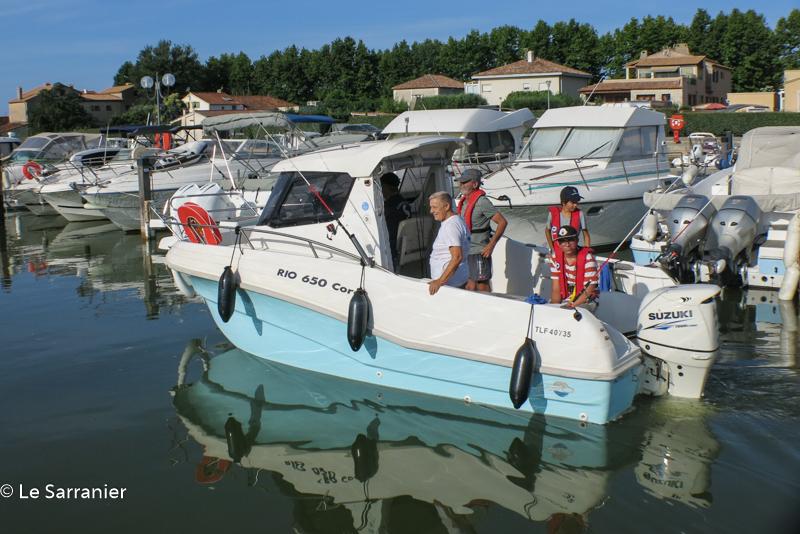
(293, 203)
(259, 148)
(571, 143)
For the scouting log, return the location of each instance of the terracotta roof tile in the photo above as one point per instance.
(10, 126)
(212, 97)
(264, 102)
(537, 66)
(613, 86)
(116, 88)
(114, 97)
(428, 81)
(661, 61)
(27, 95)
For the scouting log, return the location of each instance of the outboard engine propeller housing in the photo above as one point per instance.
(732, 232)
(687, 225)
(678, 326)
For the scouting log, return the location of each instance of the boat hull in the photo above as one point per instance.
(294, 335)
(122, 209)
(70, 205)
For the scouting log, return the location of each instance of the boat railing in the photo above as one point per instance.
(246, 232)
(246, 204)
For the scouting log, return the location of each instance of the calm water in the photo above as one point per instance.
(109, 377)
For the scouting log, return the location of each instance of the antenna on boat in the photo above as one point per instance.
(365, 259)
(603, 77)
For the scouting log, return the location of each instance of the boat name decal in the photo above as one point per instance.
(682, 314)
(553, 331)
(326, 475)
(314, 281)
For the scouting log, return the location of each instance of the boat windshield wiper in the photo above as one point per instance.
(592, 151)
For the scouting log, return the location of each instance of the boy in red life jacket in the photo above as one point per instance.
(573, 272)
(478, 213)
(568, 214)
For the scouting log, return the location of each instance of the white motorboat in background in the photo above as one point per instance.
(302, 274)
(739, 226)
(496, 137)
(612, 154)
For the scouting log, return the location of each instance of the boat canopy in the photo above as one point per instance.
(362, 159)
(237, 121)
(266, 119)
(770, 146)
(444, 121)
(605, 116)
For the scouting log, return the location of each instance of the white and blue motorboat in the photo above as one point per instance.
(313, 284)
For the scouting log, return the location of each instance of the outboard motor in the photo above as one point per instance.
(730, 237)
(678, 332)
(687, 225)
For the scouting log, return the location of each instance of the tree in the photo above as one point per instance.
(158, 60)
(787, 33)
(750, 48)
(59, 109)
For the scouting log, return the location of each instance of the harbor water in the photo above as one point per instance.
(124, 409)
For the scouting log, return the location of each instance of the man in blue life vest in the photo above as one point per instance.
(568, 214)
(478, 213)
(573, 272)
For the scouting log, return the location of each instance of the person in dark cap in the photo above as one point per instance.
(573, 272)
(395, 208)
(567, 214)
(478, 214)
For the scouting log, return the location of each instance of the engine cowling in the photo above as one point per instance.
(678, 326)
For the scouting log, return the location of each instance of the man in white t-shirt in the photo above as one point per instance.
(450, 248)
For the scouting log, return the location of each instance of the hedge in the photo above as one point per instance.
(450, 102)
(718, 122)
(538, 100)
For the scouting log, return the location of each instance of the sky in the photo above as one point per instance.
(83, 42)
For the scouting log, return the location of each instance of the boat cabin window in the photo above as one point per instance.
(486, 145)
(636, 143)
(293, 203)
(259, 148)
(570, 143)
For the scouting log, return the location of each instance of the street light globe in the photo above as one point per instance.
(168, 80)
(146, 82)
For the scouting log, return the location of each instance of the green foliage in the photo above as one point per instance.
(59, 109)
(718, 122)
(450, 102)
(787, 32)
(158, 60)
(538, 100)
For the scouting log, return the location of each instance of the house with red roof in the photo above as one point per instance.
(529, 74)
(200, 105)
(426, 85)
(672, 76)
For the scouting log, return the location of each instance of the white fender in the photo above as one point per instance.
(650, 227)
(791, 259)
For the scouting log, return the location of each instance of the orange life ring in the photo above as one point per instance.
(199, 226)
(211, 470)
(32, 170)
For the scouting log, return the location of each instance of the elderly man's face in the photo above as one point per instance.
(439, 209)
(467, 187)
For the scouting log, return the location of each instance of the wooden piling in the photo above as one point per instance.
(145, 166)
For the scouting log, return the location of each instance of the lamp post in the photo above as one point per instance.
(548, 93)
(168, 80)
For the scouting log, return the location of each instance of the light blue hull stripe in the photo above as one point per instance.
(293, 335)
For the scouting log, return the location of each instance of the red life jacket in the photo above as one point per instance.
(471, 199)
(555, 220)
(580, 270)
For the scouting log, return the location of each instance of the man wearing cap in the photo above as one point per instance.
(478, 213)
(568, 214)
(573, 272)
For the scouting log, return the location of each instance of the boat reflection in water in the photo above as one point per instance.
(374, 454)
(105, 259)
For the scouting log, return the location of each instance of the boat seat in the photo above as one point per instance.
(414, 237)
